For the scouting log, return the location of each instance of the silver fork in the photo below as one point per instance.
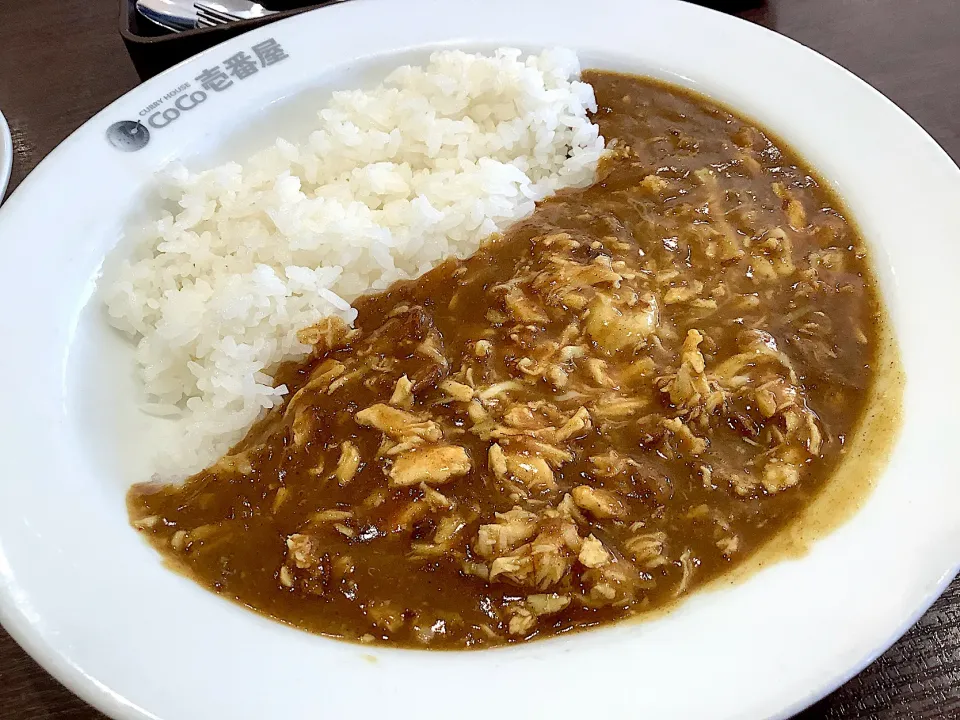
(217, 12)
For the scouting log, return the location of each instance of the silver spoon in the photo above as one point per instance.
(173, 15)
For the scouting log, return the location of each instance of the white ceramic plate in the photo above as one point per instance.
(6, 155)
(89, 600)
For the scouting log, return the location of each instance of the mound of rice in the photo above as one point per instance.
(392, 181)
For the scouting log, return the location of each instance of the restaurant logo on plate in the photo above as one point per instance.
(128, 135)
(132, 135)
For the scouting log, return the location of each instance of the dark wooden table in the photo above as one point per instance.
(63, 60)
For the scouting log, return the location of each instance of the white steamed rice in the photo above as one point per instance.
(392, 181)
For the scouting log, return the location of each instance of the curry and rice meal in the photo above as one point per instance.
(541, 419)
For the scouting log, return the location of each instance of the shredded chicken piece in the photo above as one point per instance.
(303, 550)
(482, 348)
(781, 473)
(613, 583)
(435, 498)
(522, 621)
(531, 471)
(568, 509)
(497, 461)
(647, 549)
(433, 465)
(523, 417)
(683, 293)
(758, 346)
(575, 426)
(689, 442)
(599, 503)
(510, 530)
(349, 462)
(324, 516)
(730, 242)
(457, 391)
(796, 215)
(500, 389)
(616, 328)
(279, 499)
(547, 604)
(689, 565)
(766, 402)
(728, 545)
(398, 424)
(329, 334)
(541, 563)
(523, 308)
(611, 464)
(655, 184)
(615, 406)
(402, 393)
(476, 569)
(320, 381)
(386, 615)
(554, 455)
(444, 539)
(689, 387)
(780, 245)
(742, 484)
(592, 553)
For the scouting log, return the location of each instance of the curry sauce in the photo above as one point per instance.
(624, 396)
